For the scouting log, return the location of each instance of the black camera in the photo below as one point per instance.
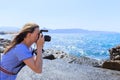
(47, 38)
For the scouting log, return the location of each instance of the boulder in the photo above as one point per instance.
(50, 57)
(114, 65)
(115, 53)
(114, 61)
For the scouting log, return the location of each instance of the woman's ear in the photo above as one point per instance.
(28, 35)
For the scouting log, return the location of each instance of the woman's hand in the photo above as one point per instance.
(40, 41)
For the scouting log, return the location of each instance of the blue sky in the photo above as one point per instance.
(103, 15)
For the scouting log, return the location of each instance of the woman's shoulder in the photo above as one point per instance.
(21, 46)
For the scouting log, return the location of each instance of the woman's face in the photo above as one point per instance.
(34, 35)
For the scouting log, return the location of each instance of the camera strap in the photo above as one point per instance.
(6, 71)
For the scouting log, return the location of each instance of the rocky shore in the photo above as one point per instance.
(58, 65)
(3, 44)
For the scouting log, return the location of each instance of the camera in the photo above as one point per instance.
(47, 38)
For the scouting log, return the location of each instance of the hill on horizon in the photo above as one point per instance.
(72, 30)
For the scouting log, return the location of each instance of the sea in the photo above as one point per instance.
(93, 45)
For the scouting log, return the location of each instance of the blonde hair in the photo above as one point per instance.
(27, 28)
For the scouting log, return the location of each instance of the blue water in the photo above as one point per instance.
(93, 45)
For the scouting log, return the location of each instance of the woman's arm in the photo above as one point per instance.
(36, 63)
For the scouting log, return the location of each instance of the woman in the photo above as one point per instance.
(19, 52)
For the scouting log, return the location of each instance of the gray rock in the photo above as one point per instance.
(56, 54)
(60, 70)
(3, 44)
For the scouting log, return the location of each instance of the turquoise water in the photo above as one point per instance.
(94, 45)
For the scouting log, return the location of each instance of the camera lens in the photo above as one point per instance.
(47, 38)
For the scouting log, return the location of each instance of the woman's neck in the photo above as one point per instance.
(27, 43)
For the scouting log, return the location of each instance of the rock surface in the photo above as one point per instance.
(115, 53)
(60, 70)
(115, 65)
(114, 62)
(3, 44)
(56, 54)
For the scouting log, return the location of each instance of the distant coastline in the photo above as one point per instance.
(2, 33)
(12, 30)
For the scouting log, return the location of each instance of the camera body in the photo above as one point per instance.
(47, 38)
